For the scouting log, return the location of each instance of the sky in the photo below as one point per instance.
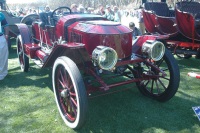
(19, 1)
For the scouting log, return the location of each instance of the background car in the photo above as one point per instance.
(181, 25)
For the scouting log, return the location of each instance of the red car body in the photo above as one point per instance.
(87, 51)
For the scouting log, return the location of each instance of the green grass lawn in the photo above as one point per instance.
(28, 105)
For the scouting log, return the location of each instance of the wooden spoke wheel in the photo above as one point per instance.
(161, 88)
(70, 93)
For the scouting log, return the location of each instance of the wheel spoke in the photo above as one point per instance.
(69, 83)
(70, 87)
(162, 84)
(62, 84)
(146, 83)
(69, 109)
(158, 89)
(69, 113)
(64, 107)
(65, 76)
(60, 90)
(72, 94)
(165, 78)
(65, 79)
(152, 86)
(165, 69)
(73, 101)
(73, 107)
(62, 80)
(20, 52)
(159, 62)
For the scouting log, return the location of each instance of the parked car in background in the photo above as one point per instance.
(182, 25)
(12, 18)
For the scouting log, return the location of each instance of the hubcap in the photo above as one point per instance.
(65, 93)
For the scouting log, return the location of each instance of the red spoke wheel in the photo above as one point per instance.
(23, 59)
(161, 88)
(70, 93)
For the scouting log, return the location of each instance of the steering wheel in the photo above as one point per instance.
(54, 15)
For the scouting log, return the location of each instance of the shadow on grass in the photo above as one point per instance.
(36, 76)
(13, 52)
(122, 112)
(129, 111)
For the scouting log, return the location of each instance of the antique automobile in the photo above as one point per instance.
(86, 51)
(181, 25)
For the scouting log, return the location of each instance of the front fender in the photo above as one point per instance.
(25, 33)
(137, 43)
(75, 51)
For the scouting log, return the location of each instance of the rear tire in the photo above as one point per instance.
(29, 19)
(23, 59)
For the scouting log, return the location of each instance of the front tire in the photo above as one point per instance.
(69, 91)
(160, 88)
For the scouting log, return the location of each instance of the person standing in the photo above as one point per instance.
(117, 14)
(47, 9)
(140, 20)
(109, 13)
(3, 49)
(136, 31)
(100, 11)
(74, 8)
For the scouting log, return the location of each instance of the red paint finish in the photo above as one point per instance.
(150, 22)
(106, 33)
(30, 49)
(25, 33)
(167, 25)
(35, 29)
(41, 55)
(184, 44)
(142, 39)
(65, 21)
(157, 19)
(43, 34)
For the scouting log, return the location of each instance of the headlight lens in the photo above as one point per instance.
(153, 49)
(104, 57)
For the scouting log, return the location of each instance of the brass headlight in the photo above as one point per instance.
(153, 49)
(104, 57)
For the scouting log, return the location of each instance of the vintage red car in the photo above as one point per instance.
(85, 51)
